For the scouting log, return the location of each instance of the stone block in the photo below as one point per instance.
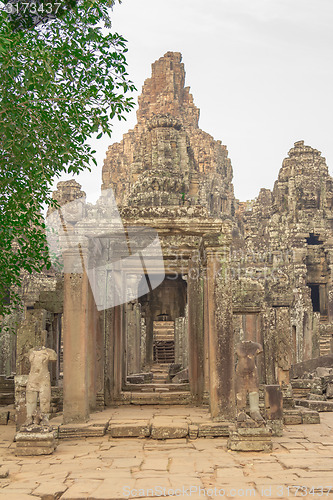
(292, 417)
(131, 428)
(35, 443)
(329, 391)
(193, 431)
(181, 377)
(214, 429)
(316, 397)
(276, 426)
(246, 445)
(302, 383)
(253, 432)
(310, 417)
(135, 379)
(316, 405)
(4, 417)
(51, 490)
(24, 451)
(273, 402)
(77, 431)
(169, 430)
(250, 439)
(322, 371)
(4, 472)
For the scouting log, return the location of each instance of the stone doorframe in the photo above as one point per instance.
(210, 330)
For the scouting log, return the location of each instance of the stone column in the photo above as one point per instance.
(117, 350)
(143, 350)
(92, 354)
(108, 324)
(283, 344)
(133, 325)
(75, 340)
(185, 343)
(206, 339)
(133, 331)
(195, 331)
(220, 326)
(179, 340)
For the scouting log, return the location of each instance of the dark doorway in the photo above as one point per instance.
(315, 298)
(313, 239)
(160, 308)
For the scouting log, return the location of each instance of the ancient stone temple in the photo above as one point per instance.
(223, 271)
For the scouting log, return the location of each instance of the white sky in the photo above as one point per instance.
(260, 71)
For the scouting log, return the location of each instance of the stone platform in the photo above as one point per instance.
(155, 422)
(106, 468)
(161, 422)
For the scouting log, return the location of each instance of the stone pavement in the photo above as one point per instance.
(300, 465)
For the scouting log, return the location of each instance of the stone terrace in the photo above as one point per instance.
(110, 468)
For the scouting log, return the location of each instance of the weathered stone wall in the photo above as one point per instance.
(283, 240)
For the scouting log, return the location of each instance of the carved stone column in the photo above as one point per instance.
(206, 337)
(133, 334)
(220, 327)
(195, 331)
(92, 352)
(75, 339)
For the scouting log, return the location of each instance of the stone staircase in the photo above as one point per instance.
(164, 341)
(160, 373)
(158, 391)
(326, 332)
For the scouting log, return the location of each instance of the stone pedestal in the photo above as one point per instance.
(34, 441)
(250, 439)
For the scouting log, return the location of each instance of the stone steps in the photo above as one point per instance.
(160, 373)
(325, 346)
(154, 398)
(300, 415)
(156, 387)
(315, 405)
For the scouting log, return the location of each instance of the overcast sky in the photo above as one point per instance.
(260, 71)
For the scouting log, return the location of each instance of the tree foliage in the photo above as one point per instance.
(61, 81)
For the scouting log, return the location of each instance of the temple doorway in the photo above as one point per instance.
(161, 333)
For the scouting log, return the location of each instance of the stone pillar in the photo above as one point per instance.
(179, 340)
(283, 344)
(185, 342)
(133, 335)
(132, 324)
(75, 341)
(206, 339)
(268, 333)
(100, 360)
(220, 326)
(143, 350)
(108, 324)
(117, 350)
(92, 354)
(195, 331)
